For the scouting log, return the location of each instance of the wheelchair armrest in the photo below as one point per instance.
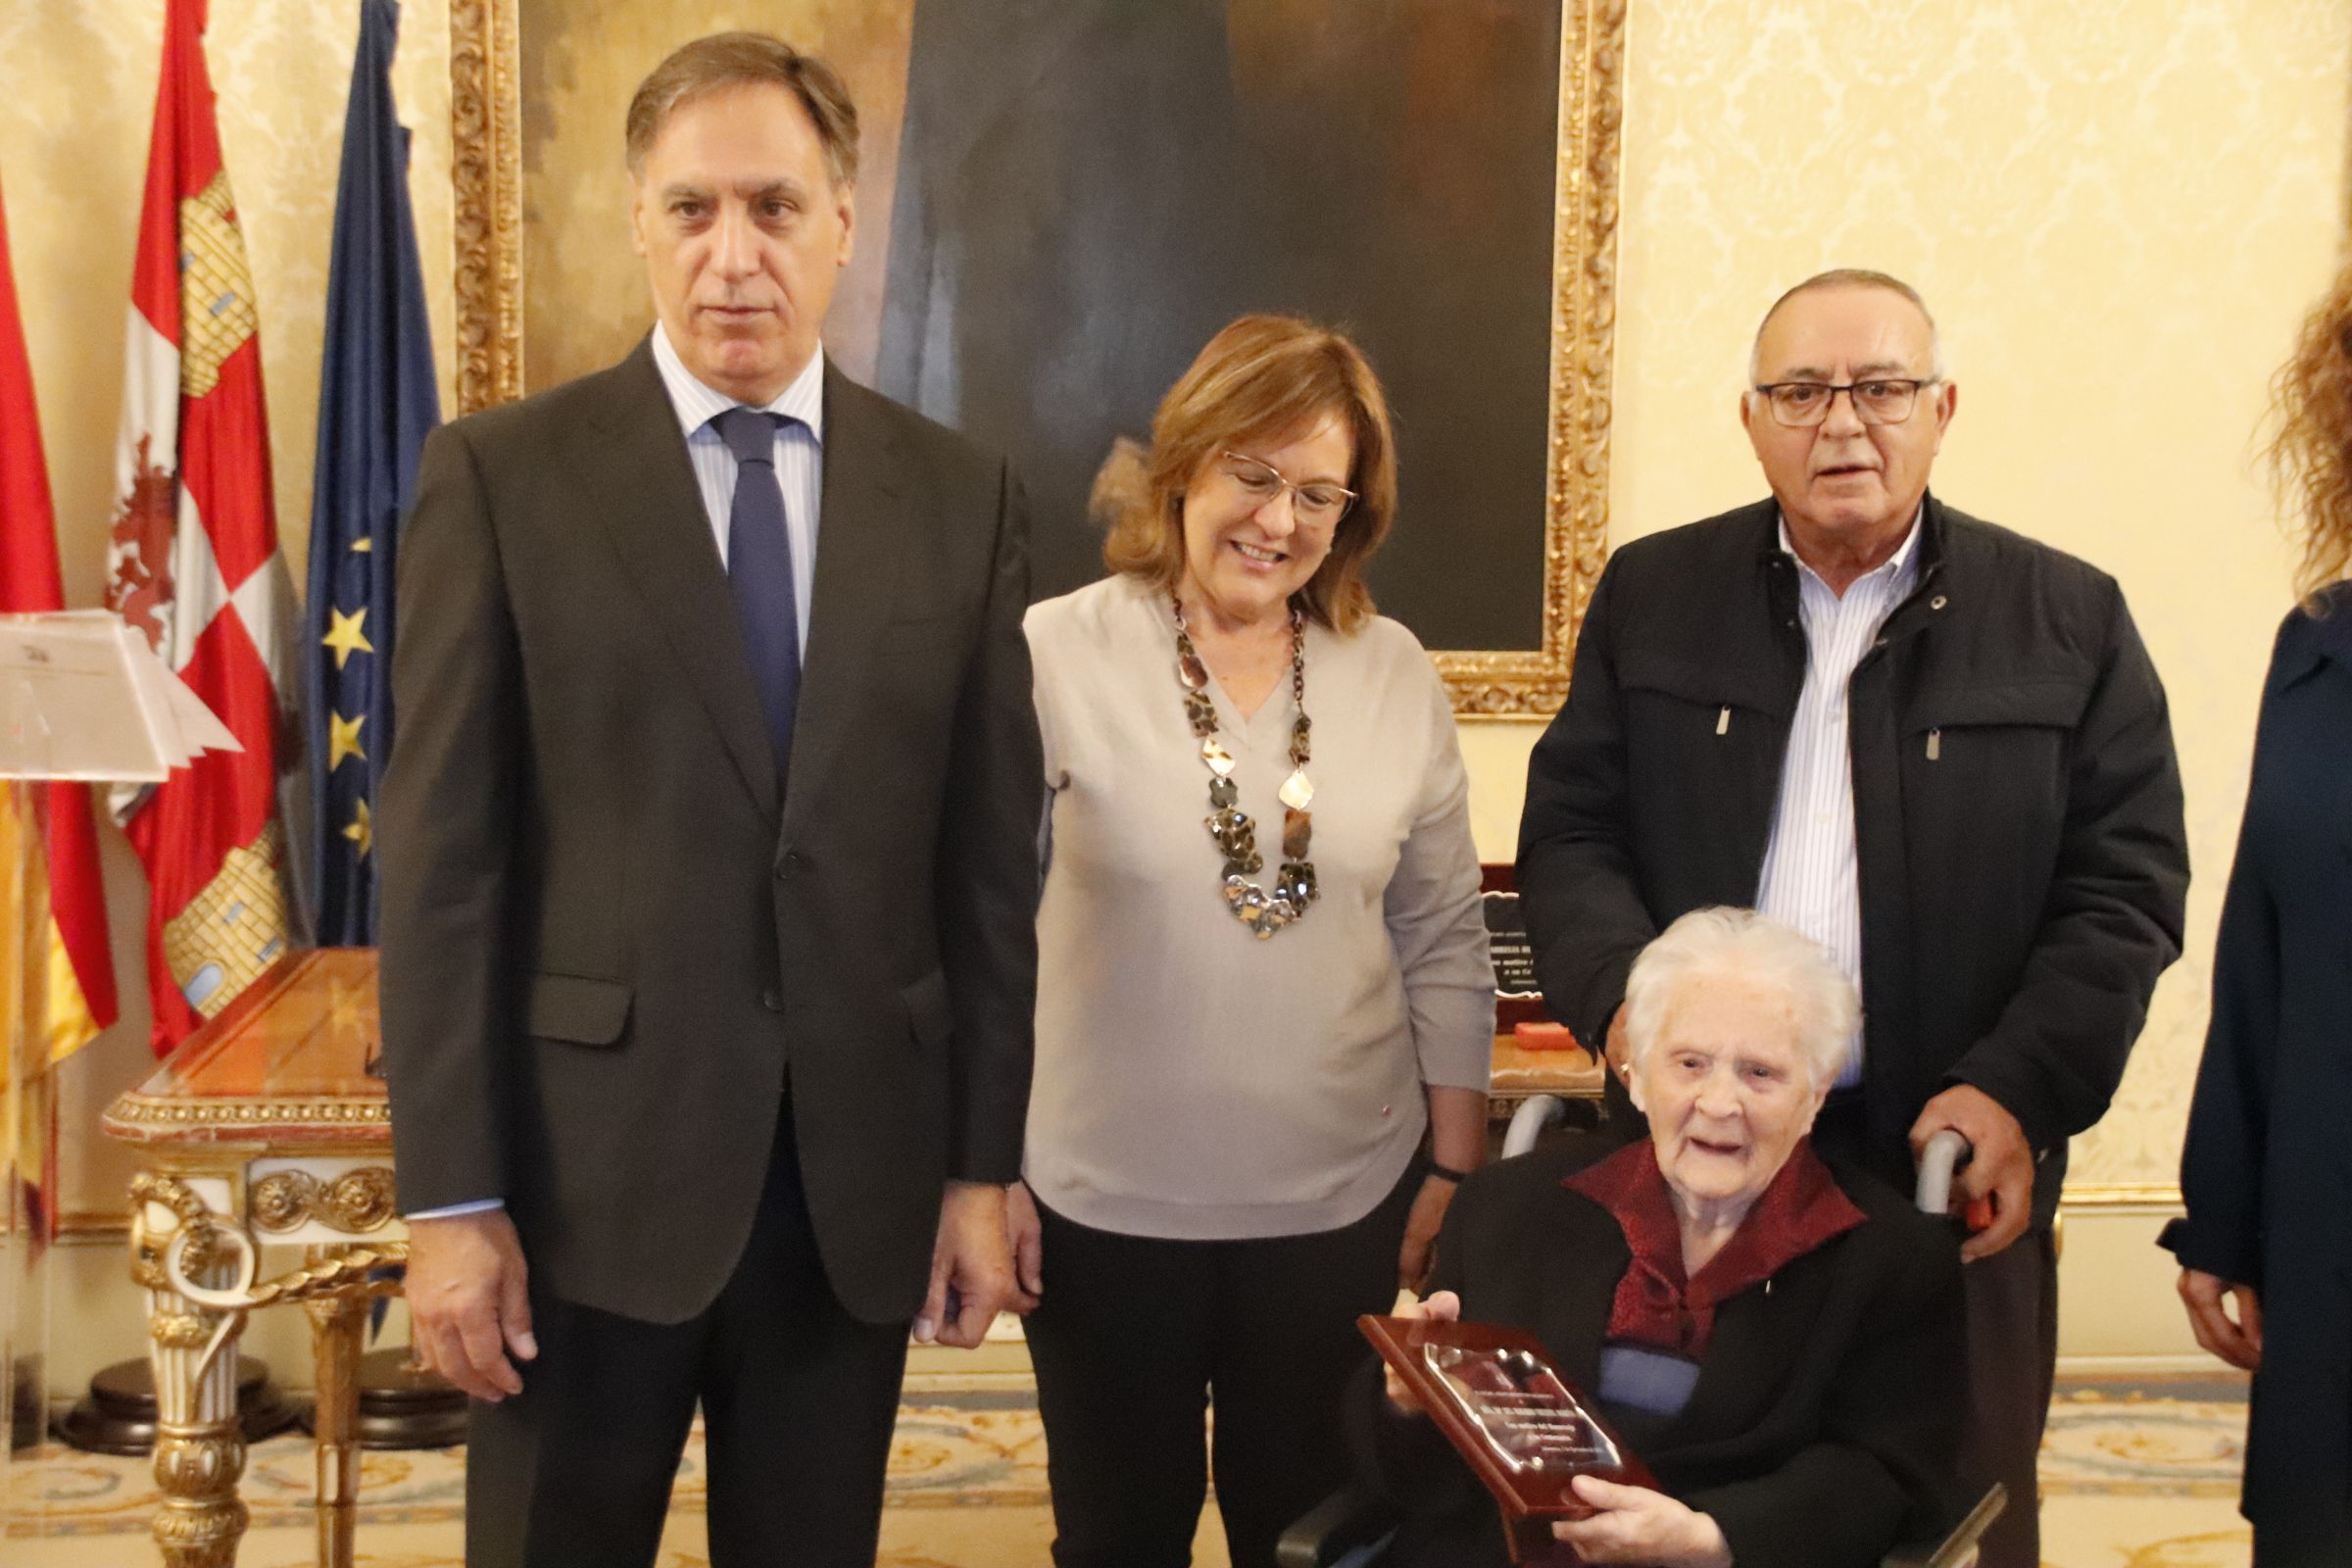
(1347, 1519)
(1959, 1548)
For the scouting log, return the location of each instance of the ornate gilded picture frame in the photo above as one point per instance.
(507, 95)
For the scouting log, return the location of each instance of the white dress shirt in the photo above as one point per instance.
(1810, 880)
(799, 474)
(799, 457)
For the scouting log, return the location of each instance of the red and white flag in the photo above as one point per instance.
(193, 560)
(75, 979)
(57, 976)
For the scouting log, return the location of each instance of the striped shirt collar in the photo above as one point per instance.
(1896, 569)
(697, 404)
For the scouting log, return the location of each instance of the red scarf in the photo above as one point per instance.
(1803, 1209)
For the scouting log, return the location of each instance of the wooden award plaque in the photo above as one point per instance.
(1524, 1429)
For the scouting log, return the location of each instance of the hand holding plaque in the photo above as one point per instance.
(1523, 1428)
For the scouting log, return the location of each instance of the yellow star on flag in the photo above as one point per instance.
(343, 740)
(347, 635)
(362, 831)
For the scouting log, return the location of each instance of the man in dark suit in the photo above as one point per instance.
(1935, 747)
(708, 878)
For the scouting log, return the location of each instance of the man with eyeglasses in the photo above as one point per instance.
(1933, 745)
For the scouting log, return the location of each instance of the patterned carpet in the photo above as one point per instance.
(2139, 1475)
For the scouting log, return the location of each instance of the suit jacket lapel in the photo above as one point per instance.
(633, 457)
(863, 530)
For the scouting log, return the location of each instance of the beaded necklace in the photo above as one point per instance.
(1264, 912)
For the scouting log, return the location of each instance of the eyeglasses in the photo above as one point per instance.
(1880, 400)
(1318, 503)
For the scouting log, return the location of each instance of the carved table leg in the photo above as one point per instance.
(198, 1265)
(337, 1323)
(199, 1449)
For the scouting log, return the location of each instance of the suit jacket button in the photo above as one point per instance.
(771, 999)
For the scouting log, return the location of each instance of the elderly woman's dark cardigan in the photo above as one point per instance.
(1822, 1432)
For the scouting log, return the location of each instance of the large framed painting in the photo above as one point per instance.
(1061, 200)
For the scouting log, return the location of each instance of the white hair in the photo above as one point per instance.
(1851, 277)
(1722, 942)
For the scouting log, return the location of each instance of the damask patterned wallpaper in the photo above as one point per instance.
(2118, 209)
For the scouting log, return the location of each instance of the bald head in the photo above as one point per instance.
(1849, 277)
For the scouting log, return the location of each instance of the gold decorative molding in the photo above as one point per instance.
(337, 1271)
(486, 169)
(148, 1244)
(485, 87)
(1532, 684)
(357, 1201)
(95, 1223)
(133, 1115)
(179, 1331)
(2150, 1196)
(201, 1518)
(282, 1202)
(207, 1260)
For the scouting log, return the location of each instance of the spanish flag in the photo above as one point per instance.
(57, 979)
(68, 987)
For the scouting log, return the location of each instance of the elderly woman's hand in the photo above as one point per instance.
(1443, 1307)
(1636, 1525)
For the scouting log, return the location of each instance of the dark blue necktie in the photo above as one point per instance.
(759, 571)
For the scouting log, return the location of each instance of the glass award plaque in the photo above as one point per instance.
(1524, 1429)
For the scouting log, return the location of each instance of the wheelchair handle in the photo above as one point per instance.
(1535, 1114)
(1937, 1162)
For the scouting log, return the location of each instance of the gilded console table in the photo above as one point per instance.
(265, 1127)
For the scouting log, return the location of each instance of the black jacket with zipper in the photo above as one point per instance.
(2017, 809)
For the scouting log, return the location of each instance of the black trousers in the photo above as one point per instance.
(797, 1397)
(1137, 1335)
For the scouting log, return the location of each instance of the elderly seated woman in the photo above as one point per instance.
(1780, 1337)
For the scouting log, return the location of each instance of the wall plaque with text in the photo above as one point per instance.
(1514, 955)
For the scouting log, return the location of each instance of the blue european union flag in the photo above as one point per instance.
(376, 402)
